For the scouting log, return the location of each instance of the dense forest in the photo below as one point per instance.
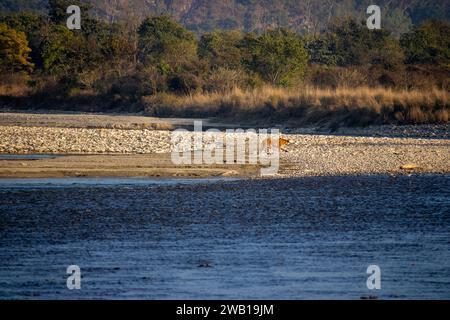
(128, 63)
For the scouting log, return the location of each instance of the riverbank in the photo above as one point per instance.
(93, 152)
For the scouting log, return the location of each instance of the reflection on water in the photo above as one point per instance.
(27, 156)
(92, 182)
(270, 239)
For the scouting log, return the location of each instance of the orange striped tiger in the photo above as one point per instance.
(281, 142)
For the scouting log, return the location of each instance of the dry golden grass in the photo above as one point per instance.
(14, 90)
(332, 107)
(14, 85)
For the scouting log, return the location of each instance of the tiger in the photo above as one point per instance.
(281, 142)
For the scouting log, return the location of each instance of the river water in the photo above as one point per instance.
(306, 238)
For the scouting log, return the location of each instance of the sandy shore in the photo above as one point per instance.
(101, 151)
(152, 165)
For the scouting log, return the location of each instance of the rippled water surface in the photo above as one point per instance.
(308, 238)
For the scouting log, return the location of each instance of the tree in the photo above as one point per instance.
(55, 50)
(322, 50)
(31, 24)
(350, 43)
(222, 49)
(67, 54)
(428, 43)
(167, 44)
(278, 56)
(14, 50)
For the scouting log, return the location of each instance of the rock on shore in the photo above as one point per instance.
(19, 139)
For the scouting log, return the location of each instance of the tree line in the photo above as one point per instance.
(127, 60)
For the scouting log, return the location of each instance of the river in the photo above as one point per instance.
(303, 238)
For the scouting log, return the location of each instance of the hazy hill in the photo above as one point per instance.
(256, 15)
(8, 6)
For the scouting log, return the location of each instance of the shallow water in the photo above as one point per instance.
(98, 182)
(33, 156)
(308, 238)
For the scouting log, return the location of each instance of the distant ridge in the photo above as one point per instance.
(256, 15)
